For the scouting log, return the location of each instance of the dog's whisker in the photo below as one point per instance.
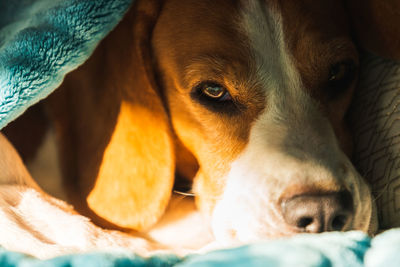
(186, 194)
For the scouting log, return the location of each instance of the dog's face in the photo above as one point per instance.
(258, 91)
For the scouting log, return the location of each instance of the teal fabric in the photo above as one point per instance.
(116, 259)
(353, 249)
(42, 40)
(385, 250)
(306, 250)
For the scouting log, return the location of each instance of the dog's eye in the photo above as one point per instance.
(216, 98)
(213, 91)
(341, 71)
(341, 75)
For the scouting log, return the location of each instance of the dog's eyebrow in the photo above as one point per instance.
(340, 46)
(212, 67)
(203, 67)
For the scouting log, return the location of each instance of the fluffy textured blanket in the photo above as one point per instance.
(41, 41)
(323, 250)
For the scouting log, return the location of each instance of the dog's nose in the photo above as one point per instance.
(319, 213)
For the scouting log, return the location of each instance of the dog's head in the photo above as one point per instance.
(257, 91)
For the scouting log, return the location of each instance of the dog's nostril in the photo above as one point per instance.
(339, 222)
(318, 213)
(304, 222)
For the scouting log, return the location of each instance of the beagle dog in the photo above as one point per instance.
(246, 100)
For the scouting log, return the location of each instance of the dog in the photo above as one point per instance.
(244, 99)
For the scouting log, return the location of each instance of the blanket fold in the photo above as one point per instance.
(42, 40)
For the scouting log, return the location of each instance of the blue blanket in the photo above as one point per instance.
(308, 250)
(41, 41)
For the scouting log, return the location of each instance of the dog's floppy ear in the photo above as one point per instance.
(136, 175)
(135, 179)
(377, 25)
(116, 144)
